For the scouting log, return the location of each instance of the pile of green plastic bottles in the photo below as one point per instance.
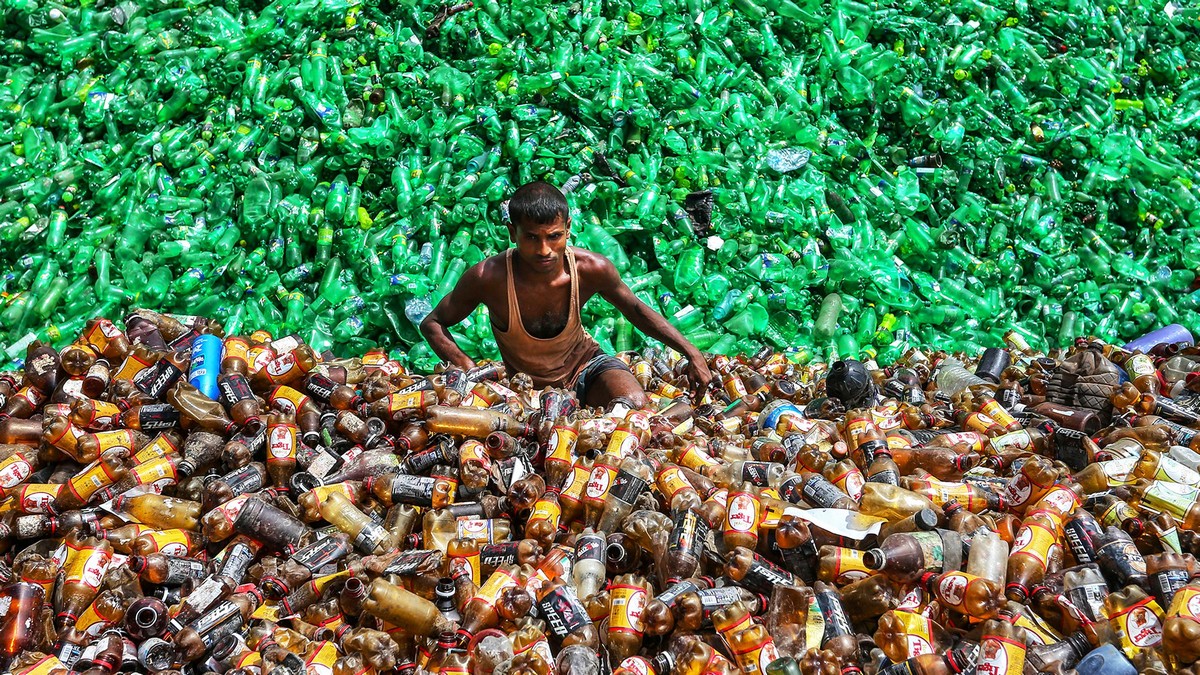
(880, 175)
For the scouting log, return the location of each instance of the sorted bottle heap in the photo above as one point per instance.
(180, 500)
(858, 177)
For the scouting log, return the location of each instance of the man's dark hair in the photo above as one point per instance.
(537, 203)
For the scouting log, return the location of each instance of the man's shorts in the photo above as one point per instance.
(591, 370)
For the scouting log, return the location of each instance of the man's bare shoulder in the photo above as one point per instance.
(489, 270)
(592, 265)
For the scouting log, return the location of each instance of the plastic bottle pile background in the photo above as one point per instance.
(953, 170)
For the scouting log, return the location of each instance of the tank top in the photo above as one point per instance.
(551, 361)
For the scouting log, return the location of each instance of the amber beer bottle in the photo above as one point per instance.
(1181, 630)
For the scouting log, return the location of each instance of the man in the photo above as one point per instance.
(534, 292)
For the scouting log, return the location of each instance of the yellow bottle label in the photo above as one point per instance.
(918, 633)
(743, 513)
(14, 470)
(121, 438)
(409, 401)
(1138, 626)
(622, 443)
(695, 458)
(562, 444)
(474, 451)
(87, 565)
(104, 415)
(92, 623)
(848, 567)
(994, 410)
(84, 484)
(1185, 603)
(132, 365)
(548, 510)
(979, 422)
(178, 543)
(1060, 500)
(1000, 656)
(288, 399)
(1169, 469)
(465, 565)
(1034, 539)
(851, 482)
(494, 586)
(38, 497)
(671, 481)
(599, 481)
(628, 601)
(158, 473)
(161, 446)
(237, 348)
(758, 651)
(44, 666)
(320, 660)
(281, 442)
(1037, 631)
(952, 587)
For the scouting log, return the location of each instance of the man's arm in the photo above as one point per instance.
(456, 306)
(613, 289)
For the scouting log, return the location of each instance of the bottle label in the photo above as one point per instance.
(547, 510)
(671, 482)
(157, 379)
(370, 538)
(622, 443)
(1012, 442)
(87, 565)
(495, 555)
(157, 416)
(281, 442)
(246, 479)
(695, 458)
(1119, 471)
(412, 562)
(851, 482)
(628, 601)
(168, 542)
(1186, 603)
(156, 474)
(1089, 598)
(1000, 656)
(688, 535)
(562, 444)
(712, 599)
(288, 399)
(836, 622)
(479, 529)
(234, 387)
(917, 631)
(1034, 540)
(1139, 626)
(238, 557)
(675, 590)
(975, 440)
(85, 484)
(1169, 469)
(846, 567)
(1124, 558)
(494, 586)
(626, 487)
(474, 451)
(755, 656)
(757, 473)
(792, 489)
(819, 492)
(1167, 583)
(38, 498)
(465, 566)
(415, 490)
(763, 576)
(563, 611)
(14, 470)
(742, 514)
(180, 570)
(598, 483)
(319, 386)
(280, 366)
(1060, 500)
(1171, 497)
(321, 553)
(1070, 448)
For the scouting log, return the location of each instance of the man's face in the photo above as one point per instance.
(542, 247)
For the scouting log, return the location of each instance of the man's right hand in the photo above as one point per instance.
(699, 376)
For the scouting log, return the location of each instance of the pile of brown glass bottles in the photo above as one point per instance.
(178, 500)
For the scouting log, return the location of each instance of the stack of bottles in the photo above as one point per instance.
(858, 178)
(179, 500)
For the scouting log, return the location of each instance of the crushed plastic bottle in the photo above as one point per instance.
(952, 173)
